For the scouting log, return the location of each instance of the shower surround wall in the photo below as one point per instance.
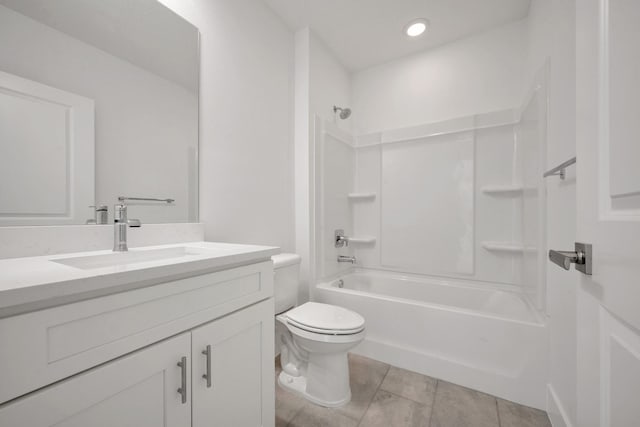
(443, 199)
(430, 214)
(440, 140)
(336, 158)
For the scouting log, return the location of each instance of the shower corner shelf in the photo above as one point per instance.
(511, 247)
(361, 196)
(503, 189)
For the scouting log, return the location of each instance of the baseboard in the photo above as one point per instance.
(557, 414)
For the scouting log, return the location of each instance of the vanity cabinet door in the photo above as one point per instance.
(137, 390)
(233, 370)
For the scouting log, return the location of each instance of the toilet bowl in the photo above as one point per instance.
(314, 354)
(314, 341)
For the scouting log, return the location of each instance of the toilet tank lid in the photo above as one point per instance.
(285, 260)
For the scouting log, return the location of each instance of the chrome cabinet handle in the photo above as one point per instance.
(207, 376)
(183, 383)
(581, 257)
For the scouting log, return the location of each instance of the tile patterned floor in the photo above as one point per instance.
(386, 396)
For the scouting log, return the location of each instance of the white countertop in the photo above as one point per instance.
(32, 283)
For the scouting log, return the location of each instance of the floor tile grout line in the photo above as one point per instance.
(433, 403)
(295, 415)
(498, 412)
(373, 396)
(401, 396)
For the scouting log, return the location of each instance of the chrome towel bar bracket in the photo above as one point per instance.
(560, 170)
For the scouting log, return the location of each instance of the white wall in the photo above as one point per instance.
(553, 33)
(539, 29)
(330, 83)
(336, 164)
(321, 82)
(246, 125)
(478, 74)
(138, 115)
(305, 203)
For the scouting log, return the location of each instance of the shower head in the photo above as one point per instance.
(344, 112)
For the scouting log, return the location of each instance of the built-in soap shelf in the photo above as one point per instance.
(510, 190)
(362, 240)
(513, 189)
(361, 197)
(511, 247)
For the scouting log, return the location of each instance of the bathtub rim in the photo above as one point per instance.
(537, 318)
(433, 278)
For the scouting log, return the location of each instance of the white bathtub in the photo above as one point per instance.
(476, 335)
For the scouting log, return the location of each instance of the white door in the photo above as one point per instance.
(46, 154)
(233, 385)
(608, 185)
(138, 390)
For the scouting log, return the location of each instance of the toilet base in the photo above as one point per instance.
(298, 385)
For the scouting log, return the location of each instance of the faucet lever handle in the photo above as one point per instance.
(119, 213)
(340, 239)
(134, 222)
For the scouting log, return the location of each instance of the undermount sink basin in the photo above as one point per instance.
(127, 258)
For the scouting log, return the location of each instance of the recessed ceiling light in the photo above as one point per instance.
(416, 27)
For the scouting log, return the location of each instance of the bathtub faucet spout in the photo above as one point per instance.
(343, 258)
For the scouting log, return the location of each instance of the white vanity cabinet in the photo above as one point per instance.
(117, 360)
(145, 388)
(234, 384)
(137, 390)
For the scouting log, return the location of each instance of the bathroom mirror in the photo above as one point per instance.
(98, 100)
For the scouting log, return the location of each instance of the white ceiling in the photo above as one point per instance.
(142, 32)
(363, 33)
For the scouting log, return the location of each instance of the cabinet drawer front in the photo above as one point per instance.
(48, 345)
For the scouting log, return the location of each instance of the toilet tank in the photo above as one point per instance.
(286, 280)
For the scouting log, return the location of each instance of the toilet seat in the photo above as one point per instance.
(326, 338)
(325, 319)
(324, 331)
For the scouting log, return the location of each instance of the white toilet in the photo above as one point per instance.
(314, 339)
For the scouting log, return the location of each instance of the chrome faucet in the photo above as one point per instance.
(120, 224)
(344, 258)
(100, 215)
(340, 239)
